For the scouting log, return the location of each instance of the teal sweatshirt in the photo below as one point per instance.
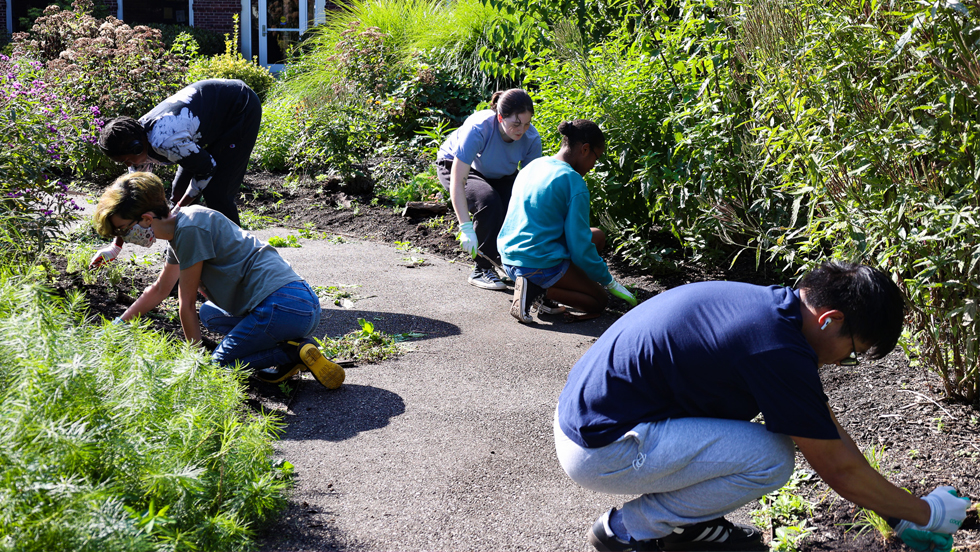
(548, 221)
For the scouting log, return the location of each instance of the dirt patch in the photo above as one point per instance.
(927, 440)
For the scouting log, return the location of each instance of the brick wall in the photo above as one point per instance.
(216, 14)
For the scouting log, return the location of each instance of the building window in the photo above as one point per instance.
(158, 11)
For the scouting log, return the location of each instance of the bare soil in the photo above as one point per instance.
(927, 440)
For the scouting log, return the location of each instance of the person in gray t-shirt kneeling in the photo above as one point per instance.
(266, 311)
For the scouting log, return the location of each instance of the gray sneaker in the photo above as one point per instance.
(547, 306)
(485, 279)
(525, 293)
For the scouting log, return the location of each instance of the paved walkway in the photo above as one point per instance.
(448, 447)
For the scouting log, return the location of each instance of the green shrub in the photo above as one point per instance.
(623, 87)
(231, 65)
(115, 438)
(335, 137)
(279, 131)
(120, 69)
(209, 43)
(869, 119)
(43, 132)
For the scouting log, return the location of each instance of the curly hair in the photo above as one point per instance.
(122, 136)
(581, 131)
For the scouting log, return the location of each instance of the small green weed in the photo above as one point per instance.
(367, 344)
(310, 232)
(786, 513)
(339, 295)
(867, 519)
(289, 241)
(253, 221)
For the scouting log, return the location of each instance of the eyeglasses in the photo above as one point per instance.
(123, 230)
(852, 359)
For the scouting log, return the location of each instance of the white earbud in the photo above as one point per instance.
(826, 323)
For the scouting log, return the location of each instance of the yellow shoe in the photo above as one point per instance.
(329, 374)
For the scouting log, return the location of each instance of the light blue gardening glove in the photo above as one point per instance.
(467, 238)
(117, 321)
(618, 290)
(948, 510)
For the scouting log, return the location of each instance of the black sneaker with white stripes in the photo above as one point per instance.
(708, 536)
(713, 535)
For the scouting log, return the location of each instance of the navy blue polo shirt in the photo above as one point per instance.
(712, 349)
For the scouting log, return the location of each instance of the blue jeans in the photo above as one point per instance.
(686, 470)
(544, 277)
(291, 313)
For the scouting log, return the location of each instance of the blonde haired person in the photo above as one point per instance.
(264, 309)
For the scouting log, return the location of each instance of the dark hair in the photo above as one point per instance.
(122, 136)
(509, 102)
(873, 306)
(581, 131)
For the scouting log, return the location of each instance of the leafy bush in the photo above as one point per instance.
(117, 438)
(209, 43)
(121, 69)
(279, 131)
(231, 65)
(43, 131)
(622, 86)
(869, 119)
(335, 137)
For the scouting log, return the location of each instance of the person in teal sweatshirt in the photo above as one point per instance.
(546, 243)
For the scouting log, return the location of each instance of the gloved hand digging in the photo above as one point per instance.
(104, 255)
(620, 291)
(467, 238)
(948, 510)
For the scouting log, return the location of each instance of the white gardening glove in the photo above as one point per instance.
(104, 255)
(948, 510)
(618, 290)
(467, 238)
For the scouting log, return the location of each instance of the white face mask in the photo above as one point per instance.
(138, 235)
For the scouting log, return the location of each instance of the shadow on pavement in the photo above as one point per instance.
(338, 322)
(342, 414)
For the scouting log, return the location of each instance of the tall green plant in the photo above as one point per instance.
(115, 438)
(868, 117)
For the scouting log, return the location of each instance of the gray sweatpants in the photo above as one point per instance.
(686, 470)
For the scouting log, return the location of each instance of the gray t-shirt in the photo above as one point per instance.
(239, 271)
(479, 143)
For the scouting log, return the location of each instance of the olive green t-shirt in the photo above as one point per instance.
(239, 270)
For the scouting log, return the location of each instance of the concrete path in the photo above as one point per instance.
(448, 447)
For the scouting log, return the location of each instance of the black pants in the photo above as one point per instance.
(487, 200)
(231, 153)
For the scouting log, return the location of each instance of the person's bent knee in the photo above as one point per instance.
(784, 461)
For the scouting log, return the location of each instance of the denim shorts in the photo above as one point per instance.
(544, 277)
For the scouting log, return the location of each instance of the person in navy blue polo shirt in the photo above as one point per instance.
(661, 405)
